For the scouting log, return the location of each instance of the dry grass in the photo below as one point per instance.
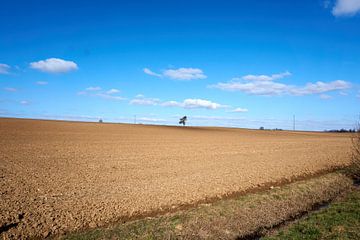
(354, 168)
(62, 176)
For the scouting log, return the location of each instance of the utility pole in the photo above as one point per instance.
(293, 122)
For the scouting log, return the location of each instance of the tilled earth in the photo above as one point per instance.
(57, 177)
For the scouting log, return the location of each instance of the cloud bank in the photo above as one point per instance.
(189, 103)
(266, 86)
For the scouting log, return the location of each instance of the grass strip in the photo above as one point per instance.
(239, 217)
(341, 220)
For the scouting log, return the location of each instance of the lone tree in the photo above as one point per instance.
(183, 120)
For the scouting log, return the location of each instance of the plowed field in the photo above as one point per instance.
(61, 176)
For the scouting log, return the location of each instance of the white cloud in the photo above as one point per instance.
(149, 72)
(187, 103)
(194, 103)
(265, 85)
(41, 83)
(266, 77)
(240, 110)
(255, 88)
(320, 87)
(325, 96)
(201, 103)
(93, 89)
(179, 74)
(4, 68)
(112, 91)
(9, 89)
(184, 73)
(54, 65)
(346, 7)
(141, 100)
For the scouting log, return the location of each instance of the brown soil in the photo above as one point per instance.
(61, 176)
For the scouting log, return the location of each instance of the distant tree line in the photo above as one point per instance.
(342, 130)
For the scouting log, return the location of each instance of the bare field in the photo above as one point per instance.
(61, 176)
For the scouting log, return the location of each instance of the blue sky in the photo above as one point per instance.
(221, 63)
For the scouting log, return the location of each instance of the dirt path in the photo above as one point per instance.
(60, 176)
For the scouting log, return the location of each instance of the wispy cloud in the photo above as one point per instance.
(343, 93)
(54, 65)
(265, 85)
(24, 102)
(239, 110)
(151, 73)
(326, 3)
(41, 83)
(10, 89)
(112, 91)
(142, 100)
(109, 96)
(4, 68)
(93, 89)
(97, 92)
(266, 77)
(325, 96)
(183, 74)
(346, 8)
(194, 103)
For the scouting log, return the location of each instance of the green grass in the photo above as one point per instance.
(340, 221)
